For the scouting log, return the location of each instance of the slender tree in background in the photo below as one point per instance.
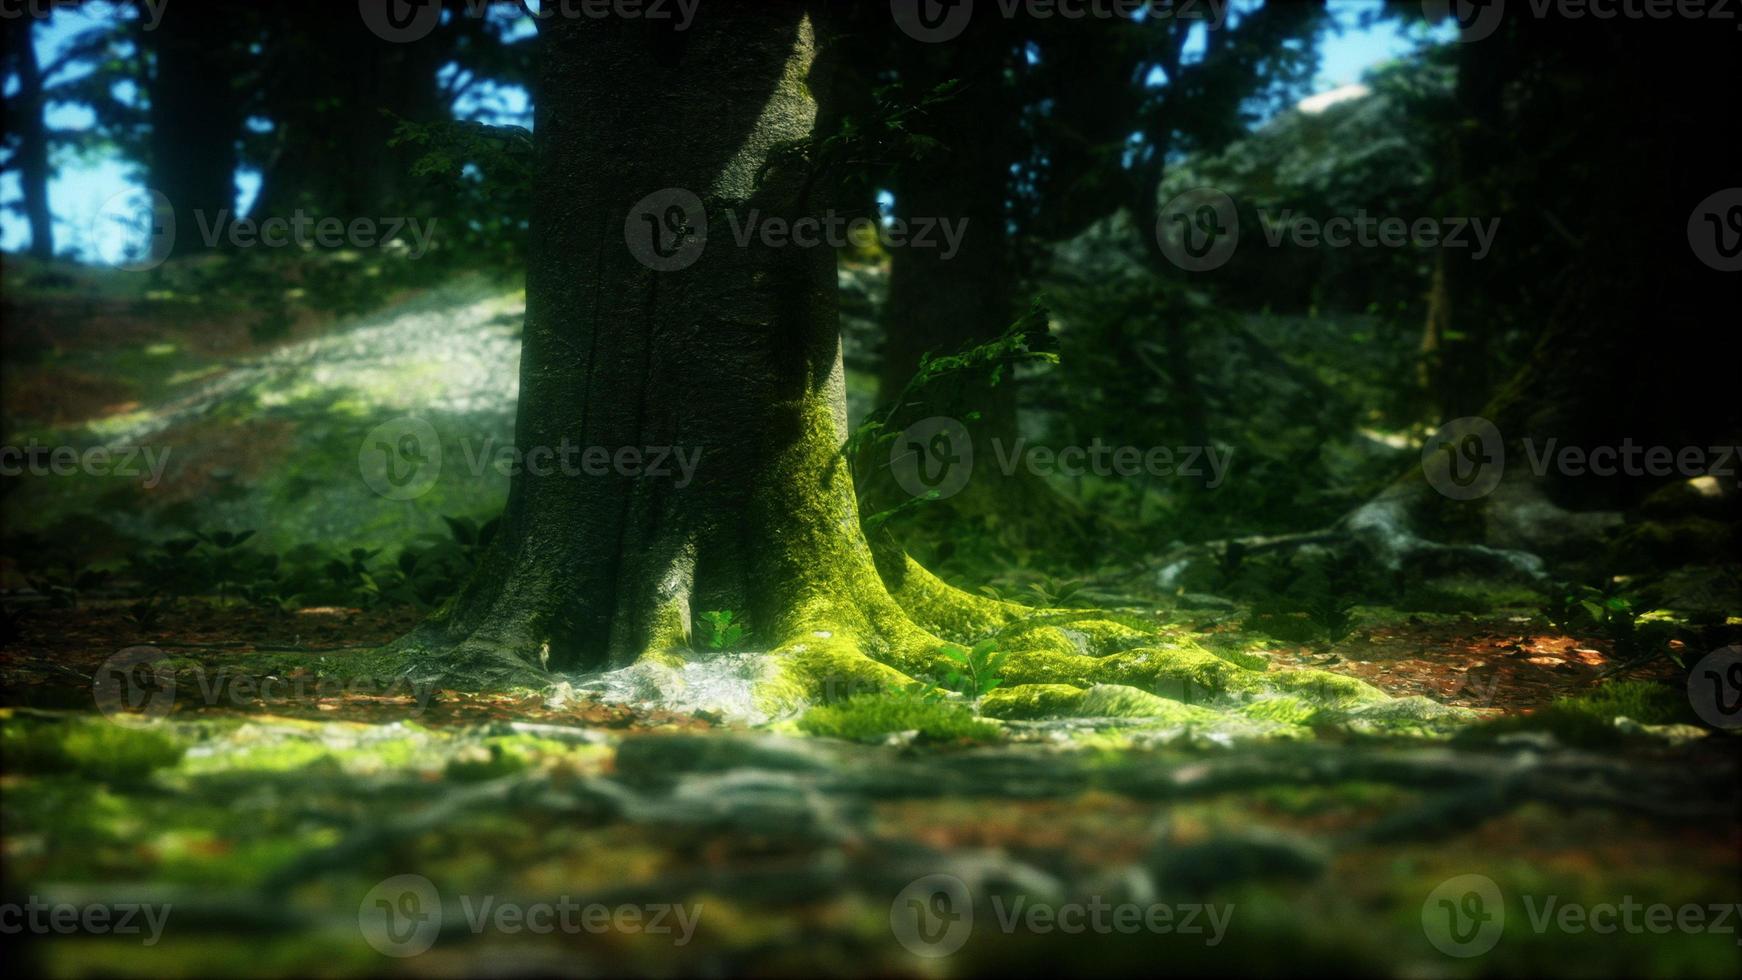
(195, 111)
(334, 92)
(28, 133)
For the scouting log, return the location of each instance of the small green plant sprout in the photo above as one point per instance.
(1634, 636)
(1333, 613)
(925, 691)
(63, 591)
(1053, 593)
(974, 672)
(724, 629)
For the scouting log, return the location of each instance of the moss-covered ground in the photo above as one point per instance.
(260, 809)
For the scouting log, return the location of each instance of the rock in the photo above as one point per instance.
(1702, 496)
(1415, 717)
(1667, 544)
(1518, 517)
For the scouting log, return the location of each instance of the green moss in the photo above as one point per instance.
(1588, 719)
(1120, 701)
(877, 715)
(823, 667)
(1466, 595)
(952, 614)
(1287, 708)
(1027, 701)
(1327, 689)
(503, 756)
(1642, 701)
(96, 747)
(1186, 673)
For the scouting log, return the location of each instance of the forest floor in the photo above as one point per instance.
(256, 792)
(282, 791)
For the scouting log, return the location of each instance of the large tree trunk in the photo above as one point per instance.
(25, 114)
(736, 356)
(195, 117)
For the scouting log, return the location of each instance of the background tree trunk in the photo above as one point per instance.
(341, 104)
(25, 110)
(195, 116)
